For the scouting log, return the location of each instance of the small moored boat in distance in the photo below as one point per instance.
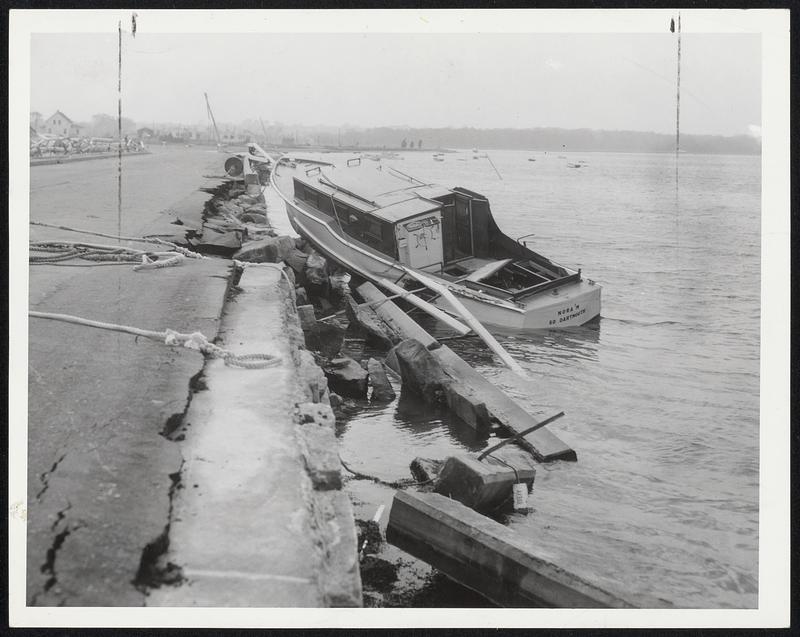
(386, 226)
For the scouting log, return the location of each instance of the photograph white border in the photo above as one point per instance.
(774, 523)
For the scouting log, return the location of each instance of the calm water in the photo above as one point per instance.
(661, 396)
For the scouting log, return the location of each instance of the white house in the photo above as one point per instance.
(60, 124)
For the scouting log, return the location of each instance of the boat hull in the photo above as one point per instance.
(569, 305)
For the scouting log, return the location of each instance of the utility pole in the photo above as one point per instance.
(213, 121)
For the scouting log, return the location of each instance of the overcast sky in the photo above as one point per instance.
(602, 81)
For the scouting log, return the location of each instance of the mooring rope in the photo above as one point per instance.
(195, 340)
(55, 253)
(174, 246)
(398, 484)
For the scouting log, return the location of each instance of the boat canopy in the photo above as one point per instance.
(381, 193)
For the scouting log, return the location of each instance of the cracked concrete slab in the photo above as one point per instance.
(248, 528)
(98, 468)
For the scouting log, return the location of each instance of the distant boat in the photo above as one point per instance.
(384, 225)
(531, 159)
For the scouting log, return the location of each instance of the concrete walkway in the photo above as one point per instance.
(250, 527)
(106, 417)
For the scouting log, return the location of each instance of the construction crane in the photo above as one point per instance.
(213, 121)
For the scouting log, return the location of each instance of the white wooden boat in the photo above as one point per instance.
(384, 225)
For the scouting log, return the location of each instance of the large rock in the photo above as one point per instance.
(267, 250)
(366, 321)
(382, 390)
(316, 269)
(254, 217)
(484, 485)
(420, 371)
(346, 377)
(426, 469)
(325, 338)
(296, 260)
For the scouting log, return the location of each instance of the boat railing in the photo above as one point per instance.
(354, 159)
(521, 241)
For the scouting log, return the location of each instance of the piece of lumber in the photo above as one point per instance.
(486, 556)
(473, 322)
(542, 443)
(397, 320)
(434, 311)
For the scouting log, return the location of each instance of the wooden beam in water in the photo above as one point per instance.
(474, 323)
(471, 396)
(486, 556)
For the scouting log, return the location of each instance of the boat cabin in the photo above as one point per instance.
(442, 231)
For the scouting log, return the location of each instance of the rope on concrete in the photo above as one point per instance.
(55, 253)
(175, 247)
(195, 340)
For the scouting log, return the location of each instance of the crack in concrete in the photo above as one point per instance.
(45, 477)
(175, 421)
(154, 571)
(49, 566)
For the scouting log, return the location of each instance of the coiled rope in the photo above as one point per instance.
(56, 253)
(173, 246)
(195, 340)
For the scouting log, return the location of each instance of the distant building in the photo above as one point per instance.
(60, 124)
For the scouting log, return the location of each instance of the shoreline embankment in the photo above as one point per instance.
(159, 475)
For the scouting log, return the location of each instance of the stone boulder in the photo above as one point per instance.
(325, 338)
(382, 390)
(420, 371)
(365, 320)
(426, 469)
(316, 269)
(484, 485)
(267, 250)
(346, 377)
(296, 259)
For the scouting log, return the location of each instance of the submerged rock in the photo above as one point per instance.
(346, 377)
(382, 390)
(426, 469)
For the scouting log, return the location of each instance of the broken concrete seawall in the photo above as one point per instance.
(121, 429)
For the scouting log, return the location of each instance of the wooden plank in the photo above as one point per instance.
(434, 311)
(393, 316)
(474, 323)
(542, 443)
(486, 556)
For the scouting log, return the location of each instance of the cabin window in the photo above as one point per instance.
(367, 229)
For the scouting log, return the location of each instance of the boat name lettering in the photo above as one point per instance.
(568, 313)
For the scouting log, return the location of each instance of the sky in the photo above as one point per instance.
(624, 81)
